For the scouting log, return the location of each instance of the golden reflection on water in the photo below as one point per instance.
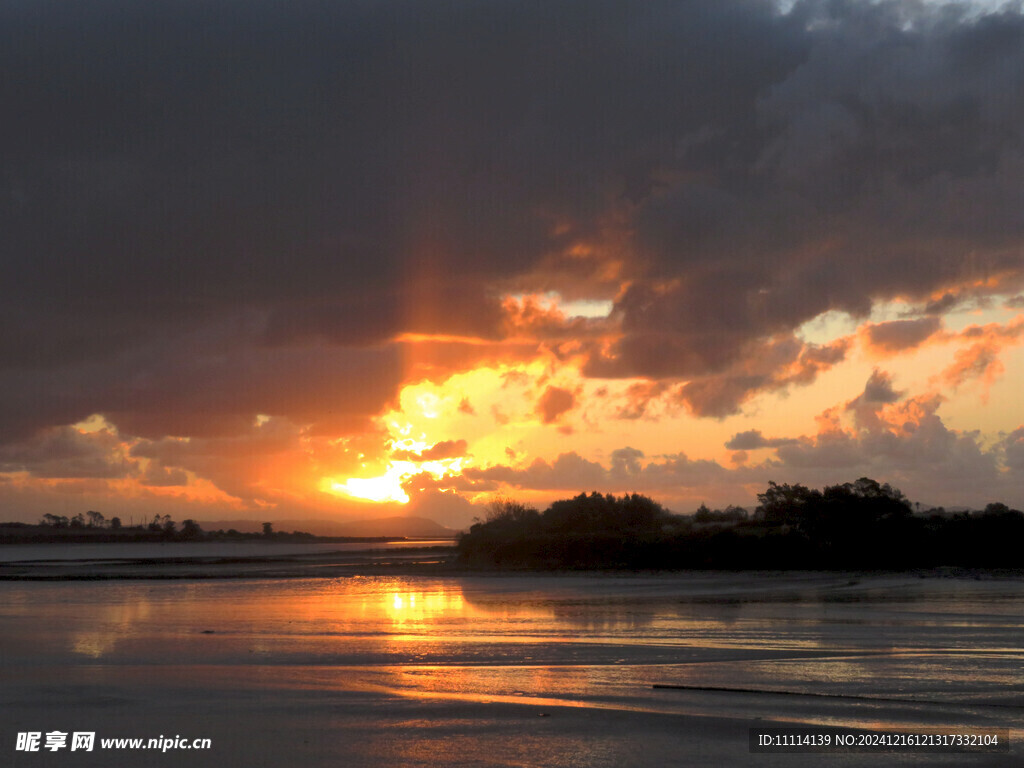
(403, 607)
(110, 623)
(541, 642)
(405, 615)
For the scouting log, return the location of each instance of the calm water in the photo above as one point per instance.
(880, 652)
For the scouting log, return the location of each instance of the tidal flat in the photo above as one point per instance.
(510, 670)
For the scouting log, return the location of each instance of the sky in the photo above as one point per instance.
(391, 257)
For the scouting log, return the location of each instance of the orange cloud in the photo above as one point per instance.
(539, 317)
(980, 361)
(639, 397)
(554, 402)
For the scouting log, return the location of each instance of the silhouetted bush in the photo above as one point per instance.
(864, 524)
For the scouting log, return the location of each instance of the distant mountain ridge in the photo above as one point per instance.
(412, 527)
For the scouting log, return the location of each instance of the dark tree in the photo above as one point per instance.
(731, 514)
(161, 524)
(997, 509)
(786, 504)
(505, 511)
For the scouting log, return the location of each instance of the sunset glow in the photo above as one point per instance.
(456, 274)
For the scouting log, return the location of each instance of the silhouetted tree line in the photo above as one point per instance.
(860, 525)
(93, 527)
(90, 520)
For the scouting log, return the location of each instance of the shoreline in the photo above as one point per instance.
(432, 562)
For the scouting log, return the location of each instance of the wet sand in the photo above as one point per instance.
(509, 670)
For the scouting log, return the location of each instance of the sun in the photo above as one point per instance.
(460, 410)
(384, 488)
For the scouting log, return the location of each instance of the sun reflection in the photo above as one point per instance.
(405, 607)
(109, 625)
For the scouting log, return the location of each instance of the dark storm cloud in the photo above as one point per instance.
(208, 383)
(887, 162)
(337, 174)
(167, 160)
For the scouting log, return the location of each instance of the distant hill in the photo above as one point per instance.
(411, 527)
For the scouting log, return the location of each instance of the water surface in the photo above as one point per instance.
(879, 652)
